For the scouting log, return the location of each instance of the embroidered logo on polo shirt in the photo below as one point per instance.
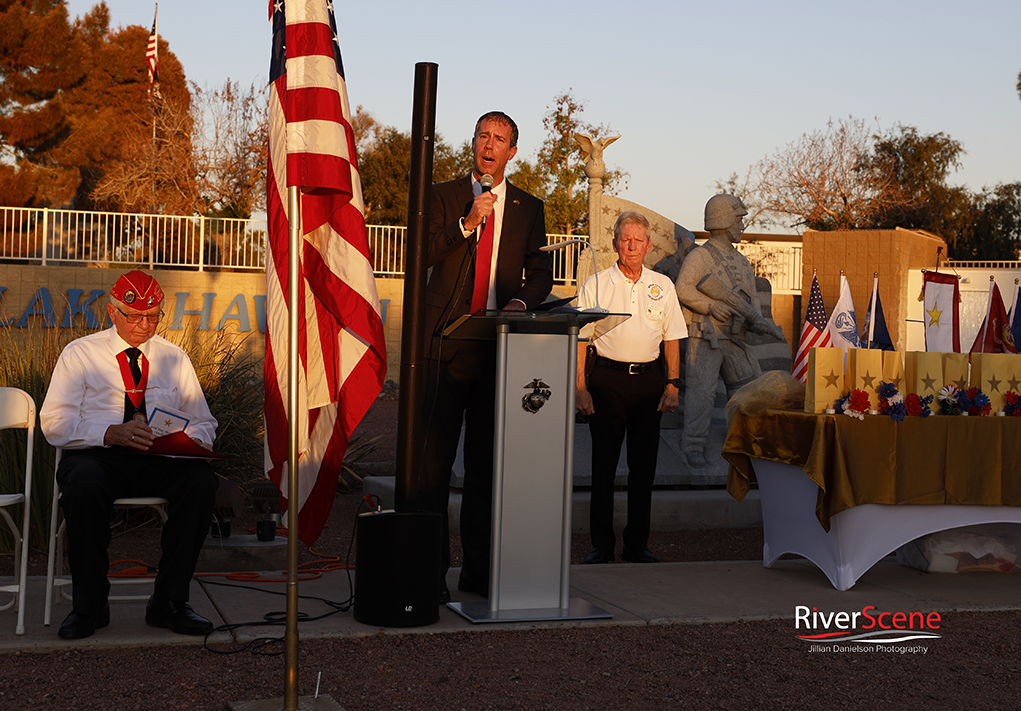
(655, 292)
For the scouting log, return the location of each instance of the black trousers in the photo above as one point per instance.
(461, 390)
(624, 404)
(90, 480)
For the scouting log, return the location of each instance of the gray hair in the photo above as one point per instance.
(631, 217)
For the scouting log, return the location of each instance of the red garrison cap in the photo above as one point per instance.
(137, 289)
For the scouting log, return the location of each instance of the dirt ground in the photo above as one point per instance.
(744, 665)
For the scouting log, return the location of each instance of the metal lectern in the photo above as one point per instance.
(536, 363)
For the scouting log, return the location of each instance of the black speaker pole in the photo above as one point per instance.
(410, 421)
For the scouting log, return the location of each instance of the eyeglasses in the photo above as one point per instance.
(134, 319)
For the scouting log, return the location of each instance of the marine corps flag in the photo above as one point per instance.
(994, 335)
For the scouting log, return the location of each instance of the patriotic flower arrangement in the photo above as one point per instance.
(956, 401)
(948, 404)
(897, 406)
(856, 404)
(976, 403)
(1010, 406)
(918, 406)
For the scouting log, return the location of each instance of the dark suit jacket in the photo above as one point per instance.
(522, 272)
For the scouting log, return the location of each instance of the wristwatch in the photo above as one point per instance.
(676, 382)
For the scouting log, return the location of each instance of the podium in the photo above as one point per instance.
(533, 449)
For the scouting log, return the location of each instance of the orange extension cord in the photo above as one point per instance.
(306, 571)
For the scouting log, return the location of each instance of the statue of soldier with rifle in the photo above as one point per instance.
(716, 288)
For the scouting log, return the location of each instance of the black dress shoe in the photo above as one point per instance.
(599, 555)
(77, 626)
(639, 555)
(473, 584)
(178, 616)
(444, 593)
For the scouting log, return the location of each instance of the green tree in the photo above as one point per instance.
(558, 173)
(384, 161)
(994, 230)
(845, 178)
(916, 194)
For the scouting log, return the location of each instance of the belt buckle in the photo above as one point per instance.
(634, 368)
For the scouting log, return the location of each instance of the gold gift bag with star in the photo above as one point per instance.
(893, 369)
(1013, 372)
(824, 383)
(864, 372)
(955, 370)
(992, 372)
(923, 374)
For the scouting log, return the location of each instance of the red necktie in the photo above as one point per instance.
(135, 380)
(483, 264)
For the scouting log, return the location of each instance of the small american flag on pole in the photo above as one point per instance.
(813, 333)
(152, 51)
(341, 348)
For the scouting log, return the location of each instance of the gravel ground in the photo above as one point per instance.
(745, 665)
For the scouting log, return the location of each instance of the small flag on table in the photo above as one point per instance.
(942, 299)
(813, 333)
(843, 326)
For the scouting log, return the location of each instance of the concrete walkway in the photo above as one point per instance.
(666, 593)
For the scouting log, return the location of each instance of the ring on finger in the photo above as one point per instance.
(132, 438)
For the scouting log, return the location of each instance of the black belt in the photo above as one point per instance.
(631, 368)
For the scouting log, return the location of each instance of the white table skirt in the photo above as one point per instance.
(858, 537)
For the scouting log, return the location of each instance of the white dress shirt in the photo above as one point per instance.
(86, 392)
(501, 199)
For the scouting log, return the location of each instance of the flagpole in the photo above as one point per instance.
(872, 309)
(1014, 303)
(989, 305)
(293, 277)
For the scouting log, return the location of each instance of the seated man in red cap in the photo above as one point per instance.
(101, 391)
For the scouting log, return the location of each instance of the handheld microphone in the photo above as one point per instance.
(487, 186)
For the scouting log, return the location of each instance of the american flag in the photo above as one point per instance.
(152, 51)
(341, 345)
(813, 333)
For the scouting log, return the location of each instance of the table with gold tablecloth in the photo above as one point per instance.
(867, 486)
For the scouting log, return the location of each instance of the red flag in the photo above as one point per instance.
(994, 334)
(152, 51)
(340, 346)
(814, 333)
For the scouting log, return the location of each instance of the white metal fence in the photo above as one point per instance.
(72, 237)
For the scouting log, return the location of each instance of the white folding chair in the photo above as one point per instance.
(56, 580)
(17, 410)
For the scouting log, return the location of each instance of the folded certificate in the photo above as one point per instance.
(178, 444)
(166, 420)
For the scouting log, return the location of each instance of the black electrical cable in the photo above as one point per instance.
(277, 618)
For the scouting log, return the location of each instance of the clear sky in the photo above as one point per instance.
(697, 90)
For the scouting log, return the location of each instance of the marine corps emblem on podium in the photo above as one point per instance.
(533, 401)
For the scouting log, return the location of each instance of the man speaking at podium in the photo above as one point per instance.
(484, 240)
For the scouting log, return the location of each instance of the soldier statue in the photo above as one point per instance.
(716, 288)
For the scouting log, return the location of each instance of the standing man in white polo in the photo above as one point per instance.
(629, 386)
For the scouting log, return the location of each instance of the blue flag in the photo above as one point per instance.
(1015, 318)
(880, 334)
